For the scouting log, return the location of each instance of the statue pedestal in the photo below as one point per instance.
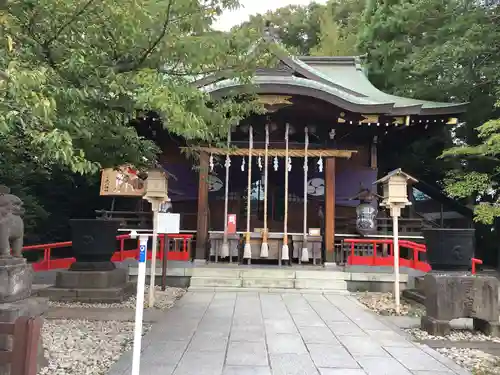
(111, 286)
(16, 278)
(453, 295)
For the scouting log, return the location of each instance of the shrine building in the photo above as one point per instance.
(301, 176)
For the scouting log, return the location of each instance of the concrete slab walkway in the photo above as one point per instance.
(247, 333)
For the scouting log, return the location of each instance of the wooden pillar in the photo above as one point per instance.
(373, 153)
(330, 209)
(202, 223)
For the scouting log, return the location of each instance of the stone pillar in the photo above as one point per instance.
(452, 295)
(16, 277)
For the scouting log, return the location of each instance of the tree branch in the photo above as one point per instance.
(70, 21)
(158, 39)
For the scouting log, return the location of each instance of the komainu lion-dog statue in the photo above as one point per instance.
(11, 224)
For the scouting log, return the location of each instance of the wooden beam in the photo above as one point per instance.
(202, 223)
(326, 153)
(330, 209)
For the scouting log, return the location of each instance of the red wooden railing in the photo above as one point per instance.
(388, 260)
(183, 252)
(48, 263)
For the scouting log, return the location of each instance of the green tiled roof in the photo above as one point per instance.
(338, 80)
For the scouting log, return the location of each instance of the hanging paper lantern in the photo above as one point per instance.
(365, 218)
(276, 164)
(289, 164)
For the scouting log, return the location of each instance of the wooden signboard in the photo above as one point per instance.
(122, 181)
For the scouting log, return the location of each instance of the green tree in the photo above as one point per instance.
(75, 77)
(436, 50)
(74, 73)
(338, 29)
(297, 27)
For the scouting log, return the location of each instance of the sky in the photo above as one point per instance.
(251, 7)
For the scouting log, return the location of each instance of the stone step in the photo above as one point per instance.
(267, 290)
(267, 283)
(419, 282)
(321, 284)
(322, 275)
(414, 295)
(267, 274)
(215, 281)
(215, 272)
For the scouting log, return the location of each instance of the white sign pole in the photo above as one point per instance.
(395, 211)
(139, 305)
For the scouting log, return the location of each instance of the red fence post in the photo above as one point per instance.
(474, 262)
(350, 260)
(374, 253)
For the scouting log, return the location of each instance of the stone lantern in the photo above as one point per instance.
(156, 192)
(395, 187)
(156, 186)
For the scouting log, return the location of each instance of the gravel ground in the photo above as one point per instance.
(454, 335)
(384, 304)
(478, 362)
(81, 347)
(163, 300)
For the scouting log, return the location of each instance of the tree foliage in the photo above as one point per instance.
(296, 26)
(338, 26)
(445, 51)
(75, 73)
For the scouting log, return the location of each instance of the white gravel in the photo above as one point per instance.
(384, 304)
(478, 362)
(454, 335)
(163, 300)
(81, 347)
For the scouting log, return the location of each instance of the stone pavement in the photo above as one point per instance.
(247, 333)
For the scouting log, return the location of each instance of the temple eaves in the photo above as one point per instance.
(339, 80)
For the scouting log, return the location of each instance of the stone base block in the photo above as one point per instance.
(69, 279)
(488, 328)
(16, 277)
(453, 295)
(435, 327)
(9, 312)
(89, 295)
